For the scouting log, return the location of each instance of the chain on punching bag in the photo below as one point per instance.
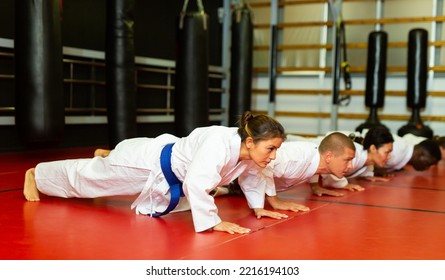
(417, 82)
(375, 77)
(241, 63)
(120, 71)
(39, 108)
(191, 85)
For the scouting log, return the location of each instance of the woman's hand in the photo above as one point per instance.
(319, 191)
(354, 187)
(261, 212)
(279, 204)
(378, 179)
(230, 228)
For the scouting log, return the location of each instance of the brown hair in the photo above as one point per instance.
(260, 127)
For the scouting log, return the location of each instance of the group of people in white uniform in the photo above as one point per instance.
(176, 174)
(378, 155)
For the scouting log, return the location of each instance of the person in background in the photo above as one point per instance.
(440, 140)
(372, 150)
(414, 139)
(420, 156)
(297, 162)
(410, 150)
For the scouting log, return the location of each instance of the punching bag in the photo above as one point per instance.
(191, 80)
(39, 105)
(417, 83)
(375, 78)
(120, 71)
(241, 63)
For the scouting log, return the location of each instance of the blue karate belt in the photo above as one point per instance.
(175, 185)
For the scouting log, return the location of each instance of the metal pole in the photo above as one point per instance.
(336, 10)
(273, 57)
(226, 18)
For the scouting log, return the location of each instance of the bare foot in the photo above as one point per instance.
(101, 153)
(30, 190)
(220, 191)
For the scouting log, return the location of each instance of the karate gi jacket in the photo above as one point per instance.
(205, 159)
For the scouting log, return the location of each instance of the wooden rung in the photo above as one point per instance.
(348, 46)
(7, 109)
(85, 110)
(260, 4)
(156, 110)
(215, 90)
(304, 24)
(394, 20)
(81, 62)
(84, 82)
(299, 47)
(353, 69)
(6, 54)
(438, 68)
(171, 110)
(151, 86)
(283, 3)
(295, 69)
(216, 76)
(300, 2)
(303, 134)
(342, 92)
(349, 116)
(293, 91)
(6, 77)
(370, 21)
(155, 70)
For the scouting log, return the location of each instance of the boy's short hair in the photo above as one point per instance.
(337, 143)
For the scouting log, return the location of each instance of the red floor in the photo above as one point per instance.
(403, 219)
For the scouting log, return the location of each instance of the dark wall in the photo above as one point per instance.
(83, 26)
(7, 19)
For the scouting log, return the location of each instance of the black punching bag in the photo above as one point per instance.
(191, 81)
(39, 106)
(241, 63)
(120, 71)
(375, 78)
(417, 83)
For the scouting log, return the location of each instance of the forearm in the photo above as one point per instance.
(273, 200)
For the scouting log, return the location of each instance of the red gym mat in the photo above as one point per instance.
(402, 219)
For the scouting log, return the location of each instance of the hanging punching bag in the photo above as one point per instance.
(375, 78)
(417, 83)
(120, 71)
(191, 81)
(241, 63)
(39, 105)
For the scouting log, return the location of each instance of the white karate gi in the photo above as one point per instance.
(401, 154)
(403, 148)
(358, 168)
(413, 139)
(205, 159)
(295, 162)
